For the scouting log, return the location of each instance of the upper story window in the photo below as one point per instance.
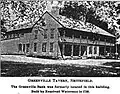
(52, 33)
(84, 37)
(16, 35)
(36, 33)
(22, 35)
(45, 34)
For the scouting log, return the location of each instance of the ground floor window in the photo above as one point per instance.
(101, 50)
(68, 49)
(83, 50)
(27, 47)
(19, 47)
(90, 50)
(23, 47)
(76, 50)
(95, 50)
(44, 47)
(35, 47)
(51, 47)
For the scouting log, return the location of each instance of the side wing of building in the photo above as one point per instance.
(39, 40)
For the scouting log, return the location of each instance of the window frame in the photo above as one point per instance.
(27, 47)
(52, 33)
(35, 47)
(44, 46)
(20, 47)
(24, 47)
(36, 33)
(51, 47)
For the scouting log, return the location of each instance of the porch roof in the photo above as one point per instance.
(79, 25)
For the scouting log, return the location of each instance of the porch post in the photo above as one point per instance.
(93, 48)
(72, 44)
(87, 53)
(79, 50)
(110, 47)
(98, 50)
(110, 50)
(80, 47)
(63, 49)
(105, 48)
(63, 45)
(72, 51)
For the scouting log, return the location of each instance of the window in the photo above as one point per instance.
(23, 47)
(19, 47)
(44, 47)
(22, 35)
(84, 37)
(51, 47)
(7, 36)
(36, 32)
(45, 35)
(11, 36)
(95, 50)
(52, 33)
(90, 50)
(27, 47)
(35, 47)
(43, 22)
(16, 35)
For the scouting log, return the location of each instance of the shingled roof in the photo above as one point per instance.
(79, 25)
(72, 24)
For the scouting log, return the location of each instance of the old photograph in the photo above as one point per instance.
(56, 38)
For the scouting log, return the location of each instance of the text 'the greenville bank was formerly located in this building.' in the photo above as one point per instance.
(51, 37)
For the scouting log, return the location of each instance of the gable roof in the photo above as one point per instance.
(51, 16)
(71, 24)
(77, 25)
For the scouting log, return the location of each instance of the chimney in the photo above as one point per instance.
(53, 8)
(55, 11)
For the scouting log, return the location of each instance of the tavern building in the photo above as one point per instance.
(50, 37)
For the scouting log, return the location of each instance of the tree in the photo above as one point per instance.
(3, 28)
(101, 13)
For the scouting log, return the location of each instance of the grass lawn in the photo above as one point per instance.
(22, 69)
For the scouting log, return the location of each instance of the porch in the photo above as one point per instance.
(83, 51)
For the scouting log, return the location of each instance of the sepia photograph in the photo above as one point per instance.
(60, 38)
